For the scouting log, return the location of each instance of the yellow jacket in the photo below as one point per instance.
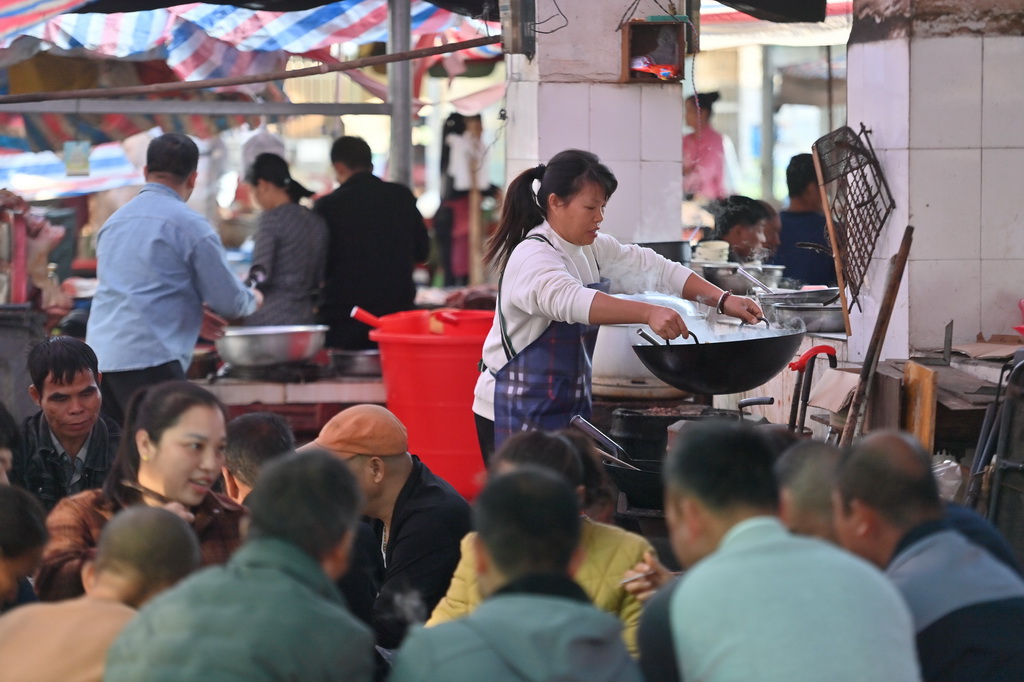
(610, 552)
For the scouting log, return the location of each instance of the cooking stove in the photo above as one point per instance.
(284, 373)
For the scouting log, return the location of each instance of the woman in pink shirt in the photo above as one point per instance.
(703, 151)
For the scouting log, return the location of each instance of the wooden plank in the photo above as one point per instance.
(920, 383)
(837, 256)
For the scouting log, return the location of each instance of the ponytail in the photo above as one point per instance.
(520, 213)
(563, 176)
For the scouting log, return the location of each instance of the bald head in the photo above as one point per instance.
(891, 472)
(805, 473)
(149, 548)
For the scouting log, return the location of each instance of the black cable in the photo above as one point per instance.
(560, 12)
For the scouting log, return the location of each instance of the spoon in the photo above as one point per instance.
(654, 342)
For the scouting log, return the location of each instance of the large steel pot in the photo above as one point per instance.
(270, 345)
(816, 317)
(730, 364)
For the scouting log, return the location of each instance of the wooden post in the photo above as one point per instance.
(837, 254)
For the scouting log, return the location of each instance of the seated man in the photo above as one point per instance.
(804, 221)
(142, 551)
(535, 622)
(806, 473)
(272, 612)
(968, 608)
(758, 602)
(253, 440)
(67, 447)
(418, 518)
(23, 536)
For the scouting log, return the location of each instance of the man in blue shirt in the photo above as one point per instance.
(804, 221)
(158, 263)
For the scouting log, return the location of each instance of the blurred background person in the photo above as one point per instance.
(608, 550)
(271, 613)
(803, 221)
(741, 221)
(253, 440)
(142, 551)
(22, 538)
(288, 258)
(170, 457)
(709, 158)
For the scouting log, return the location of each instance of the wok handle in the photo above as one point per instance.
(589, 429)
(759, 321)
(365, 317)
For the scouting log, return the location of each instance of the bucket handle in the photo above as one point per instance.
(366, 317)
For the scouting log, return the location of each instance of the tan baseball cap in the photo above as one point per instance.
(363, 430)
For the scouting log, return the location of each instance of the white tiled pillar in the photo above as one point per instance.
(569, 96)
(944, 110)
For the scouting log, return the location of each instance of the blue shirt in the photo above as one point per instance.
(810, 267)
(158, 261)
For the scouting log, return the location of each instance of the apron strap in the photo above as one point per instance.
(506, 340)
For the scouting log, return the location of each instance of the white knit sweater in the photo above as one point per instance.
(543, 284)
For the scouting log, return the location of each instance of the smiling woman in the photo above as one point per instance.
(170, 456)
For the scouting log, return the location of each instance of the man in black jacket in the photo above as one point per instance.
(376, 236)
(418, 519)
(67, 447)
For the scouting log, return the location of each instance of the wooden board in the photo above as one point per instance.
(921, 385)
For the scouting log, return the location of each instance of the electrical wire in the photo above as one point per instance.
(565, 19)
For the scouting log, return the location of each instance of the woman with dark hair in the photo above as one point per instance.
(171, 454)
(741, 221)
(704, 151)
(288, 259)
(609, 551)
(557, 272)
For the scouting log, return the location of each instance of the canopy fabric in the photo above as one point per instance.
(42, 176)
(723, 27)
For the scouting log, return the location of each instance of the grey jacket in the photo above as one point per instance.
(523, 634)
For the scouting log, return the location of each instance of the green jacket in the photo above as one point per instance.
(270, 613)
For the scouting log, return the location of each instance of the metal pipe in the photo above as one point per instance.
(400, 93)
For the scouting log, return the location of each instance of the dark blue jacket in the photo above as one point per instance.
(968, 608)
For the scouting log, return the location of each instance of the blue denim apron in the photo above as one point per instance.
(542, 386)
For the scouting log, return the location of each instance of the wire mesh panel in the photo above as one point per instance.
(859, 200)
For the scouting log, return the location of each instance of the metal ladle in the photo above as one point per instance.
(755, 280)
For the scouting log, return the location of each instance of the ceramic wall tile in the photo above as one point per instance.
(661, 197)
(623, 214)
(945, 203)
(661, 123)
(864, 315)
(1002, 211)
(615, 122)
(521, 138)
(1000, 293)
(945, 92)
(940, 291)
(563, 117)
(1002, 94)
(878, 90)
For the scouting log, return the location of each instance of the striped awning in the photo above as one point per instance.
(42, 176)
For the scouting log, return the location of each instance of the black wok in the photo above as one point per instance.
(719, 367)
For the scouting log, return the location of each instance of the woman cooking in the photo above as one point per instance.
(287, 262)
(557, 272)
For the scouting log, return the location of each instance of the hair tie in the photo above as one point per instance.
(538, 172)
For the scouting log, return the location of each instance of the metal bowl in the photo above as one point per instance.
(356, 363)
(263, 346)
(816, 317)
(724, 276)
(771, 275)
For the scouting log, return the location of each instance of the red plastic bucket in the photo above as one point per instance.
(429, 362)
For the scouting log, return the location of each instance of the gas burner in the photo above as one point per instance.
(284, 373)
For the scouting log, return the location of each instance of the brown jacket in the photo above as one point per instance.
(76, 522)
